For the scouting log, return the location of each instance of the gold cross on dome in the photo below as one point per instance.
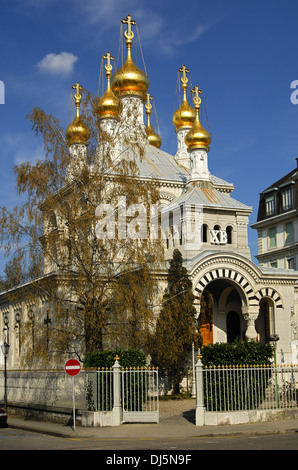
(197, 100)
(108, 65)
(184, 71)
(77, 95)
(128, 34)
(148, 105)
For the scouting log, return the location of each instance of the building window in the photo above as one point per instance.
(270, 205)
(289, 233)
(272, 237)
(290, 263)
(287, 199)
(204, 233)
(273, 264)
(229, 231)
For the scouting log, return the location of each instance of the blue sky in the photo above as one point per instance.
(242, 54)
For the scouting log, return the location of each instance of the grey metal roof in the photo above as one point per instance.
(208, 197)
(161, 165)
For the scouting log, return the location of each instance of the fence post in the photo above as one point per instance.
(117, 409)
(200, 410)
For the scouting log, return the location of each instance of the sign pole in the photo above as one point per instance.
(73, 405)
(72, 367)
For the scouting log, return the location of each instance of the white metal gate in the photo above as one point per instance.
(140, 395)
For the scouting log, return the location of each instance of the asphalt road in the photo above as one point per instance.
(14, 439)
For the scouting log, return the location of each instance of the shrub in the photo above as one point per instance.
(127, 358)
(232, 387)
(238, 353)
(99, 390)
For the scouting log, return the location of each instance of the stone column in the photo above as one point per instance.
(250, 315)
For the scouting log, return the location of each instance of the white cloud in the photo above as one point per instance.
(58, 64)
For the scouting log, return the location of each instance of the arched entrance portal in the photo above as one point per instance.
(221, 318)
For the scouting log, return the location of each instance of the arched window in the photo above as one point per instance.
(229, 231)
(204, 233)
(52, 221)
(265, 320)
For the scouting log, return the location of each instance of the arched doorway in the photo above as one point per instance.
(206, 317)
(220, 318)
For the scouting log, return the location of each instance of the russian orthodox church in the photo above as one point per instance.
(207, 225)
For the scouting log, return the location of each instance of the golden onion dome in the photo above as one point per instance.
(77, 132)
(108, 106)
(197, 137)
(185, 115)
(152, 137)
(129, 79)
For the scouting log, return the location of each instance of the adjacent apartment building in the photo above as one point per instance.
(277, 223)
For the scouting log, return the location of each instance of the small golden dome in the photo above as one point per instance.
(77, 132)
(185, 115)
(129, 79)
(197, 137)
(108, 106)
(152, 137)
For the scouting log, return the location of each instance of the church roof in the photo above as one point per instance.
(208, 197)
(157, 163)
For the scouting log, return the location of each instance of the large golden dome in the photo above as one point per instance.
(108, 106)
(185, 115)
(197, 137)
(77, 132)
(129, 79)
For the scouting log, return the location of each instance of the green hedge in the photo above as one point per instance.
(238, 353)
(98, 389)
(127, 358)
(222, 385)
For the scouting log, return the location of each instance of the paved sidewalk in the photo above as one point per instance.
(177, 419)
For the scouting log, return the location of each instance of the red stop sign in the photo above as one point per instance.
(72, 367)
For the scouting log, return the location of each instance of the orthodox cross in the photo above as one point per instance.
(108, 58)
(148, 105)
(197, 100)
(77, 96)
(184, 71)
(128, 34)
(108, 65)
